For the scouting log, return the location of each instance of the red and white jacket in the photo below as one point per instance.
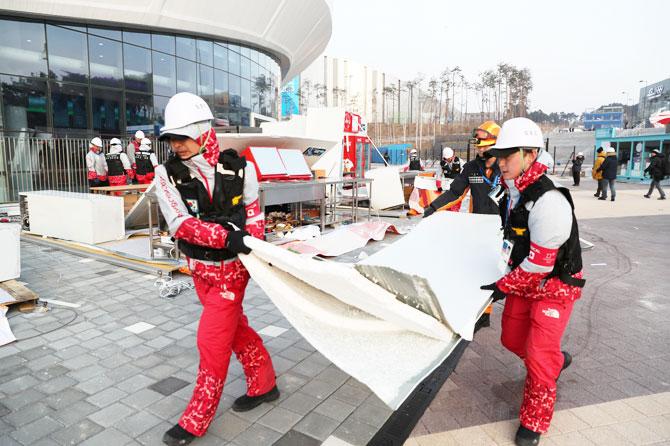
(186, 227)
(96, 166)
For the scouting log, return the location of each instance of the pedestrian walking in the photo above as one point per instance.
(656, 171)
(595, 173)
(608, 169)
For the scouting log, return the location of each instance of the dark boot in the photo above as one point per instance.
(484, 321)
(647, 196)
(526, 437)
(567, 360)
(178, 436)
(602, 198)
(662, 198)
(612, 198)
(246, 403)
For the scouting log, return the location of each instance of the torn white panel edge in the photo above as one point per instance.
(349, 286)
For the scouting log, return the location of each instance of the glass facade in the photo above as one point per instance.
(73, 79)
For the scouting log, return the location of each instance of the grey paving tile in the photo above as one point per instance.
(320, 389)
(108, 437)
(168, 386)
(167, 407)
(20, 400)
(56, 385)
(111, 414)
(28, 414)
(18, 384)
(279, 419)
(335, 409)
(228, 426)
(317, 426)
(65, 398)
(257, 435)
(300, 403)
(74, 412)
(106, 397)
(136, 424)
(32, 432)
(295, 438)
(142, 398)
(77, 432)
(355, 432)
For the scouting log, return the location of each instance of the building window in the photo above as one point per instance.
(245, 94)
(165, 77)
(186, 48)
(68, 54)
(105, 32)
(220, 57)
(220, 88)
(235, 90)
(69, 107)
(163, 43)
(137, 68)
(206, 83)
(205, 53)
(106, 62)
(139, 39)
(245, 68)
(159, 111)
(25, 103)
(139, 112)
(23, 48)
(233, 63)
(186, 76)
(106, 107)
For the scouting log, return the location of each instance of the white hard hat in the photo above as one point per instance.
(139, 134)
(609, 149)
(145, 147)
(146, 141)
(518, 133)
(115, 142)
(412, 151)
(96, 142)
(447, 152)
(580, 154)
(186, 114)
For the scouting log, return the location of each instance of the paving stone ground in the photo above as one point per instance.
(119, 369)
(78, 376)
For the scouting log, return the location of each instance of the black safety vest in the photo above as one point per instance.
(143, 164)
(114, 165)
(225, 207)
(569, 257)
(453, 170)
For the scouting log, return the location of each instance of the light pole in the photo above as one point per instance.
(644, 106)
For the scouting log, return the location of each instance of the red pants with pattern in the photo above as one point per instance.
(146, 178)
(118, 180)
(223, 329)
(532, 329)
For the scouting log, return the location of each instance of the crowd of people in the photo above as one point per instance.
(119, 168)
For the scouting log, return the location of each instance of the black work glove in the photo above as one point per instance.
(235, 244)
(497, 294)
(428, 211)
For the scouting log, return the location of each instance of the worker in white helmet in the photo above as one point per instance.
(577, 162)
(450, 163)
(134, 146)
(96, 167)
(145, 162)
(414, 161)
(543, 277)
(209, 199)
(119, 170)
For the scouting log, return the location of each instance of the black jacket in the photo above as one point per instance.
(451, 171)
(609, 167)
(577, 164)
(472, 176)
(656, 169)
(415, 164)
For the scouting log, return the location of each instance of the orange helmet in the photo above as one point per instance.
(486, 134)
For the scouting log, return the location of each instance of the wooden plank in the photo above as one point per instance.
(18, 291)
(128, 187)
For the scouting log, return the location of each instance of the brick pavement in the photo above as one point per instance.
(120, 368)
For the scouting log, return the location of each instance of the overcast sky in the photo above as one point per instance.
(581, 54)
